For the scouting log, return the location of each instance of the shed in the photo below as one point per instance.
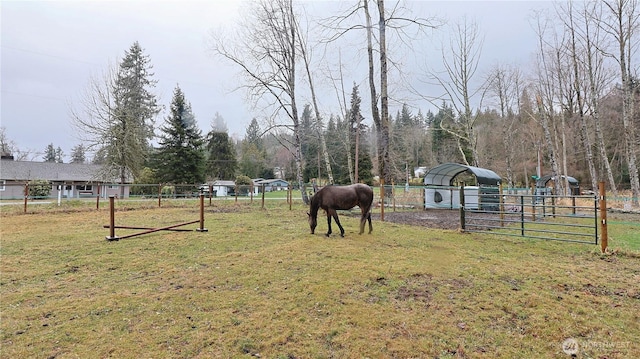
(223, 188)
(543, 183)
(441, 193)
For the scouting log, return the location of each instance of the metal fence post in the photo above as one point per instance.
(522, 214)
(382, 200)
(462, 214)
(604, 239)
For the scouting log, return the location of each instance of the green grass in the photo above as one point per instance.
(258, 283)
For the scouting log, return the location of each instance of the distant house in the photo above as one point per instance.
(70, 180)
(222, 188)
(270, 185)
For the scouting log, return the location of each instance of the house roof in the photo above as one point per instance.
(444, 174)
(270, 181)
(224, 183)
(51, 171)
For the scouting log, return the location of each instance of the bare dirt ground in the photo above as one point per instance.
(432, 218)
(450, 219)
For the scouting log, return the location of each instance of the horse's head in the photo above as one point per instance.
(313, 222)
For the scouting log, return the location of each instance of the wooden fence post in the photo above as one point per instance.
(112, 220)
(26, 196)
(201, 228)
(97, 196)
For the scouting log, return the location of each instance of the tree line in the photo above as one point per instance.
(572, 112)
(575, 109)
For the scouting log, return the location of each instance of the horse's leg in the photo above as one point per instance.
(335, 217)
(370, 226)
(329, 222)
(363, 218)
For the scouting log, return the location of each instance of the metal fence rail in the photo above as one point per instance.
(550, 217)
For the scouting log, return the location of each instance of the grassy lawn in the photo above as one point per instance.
(257, 283)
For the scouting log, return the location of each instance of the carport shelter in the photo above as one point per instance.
(543, 183)
(440, 192)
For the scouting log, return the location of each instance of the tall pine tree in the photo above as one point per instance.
(78, 154)
(221, 156)
(310, 145)
(359, 149)
(126, 142)
(180, 156)
(52, 154)
(253, 162)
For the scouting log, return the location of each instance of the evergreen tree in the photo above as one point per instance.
(365, 164)
(310, 146)
(78, 154)
(218, 123)
(131, 125)
(253, 134)
(357, 130)
(253, 161)
(336, 135)
(443, 144)
(52, 154)
(49, 153)
(221, 156)
(180, 156)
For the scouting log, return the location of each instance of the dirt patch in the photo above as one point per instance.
(432, 218)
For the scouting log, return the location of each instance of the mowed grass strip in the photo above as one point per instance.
(257, 283)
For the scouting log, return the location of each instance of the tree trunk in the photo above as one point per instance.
(584, 133)
(383, 144)
(372, 86)
(626, 17)
(319, 125)
(544, 120)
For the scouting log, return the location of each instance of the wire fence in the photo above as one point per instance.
(41, 197)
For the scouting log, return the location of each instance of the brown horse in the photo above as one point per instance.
(332, 198)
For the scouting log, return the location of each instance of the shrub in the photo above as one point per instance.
(39, 189)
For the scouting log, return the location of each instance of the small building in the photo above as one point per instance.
(442, 187)
(270, 185)
(69, 180)
(545, 185)
(222, 188)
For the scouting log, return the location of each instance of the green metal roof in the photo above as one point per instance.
(443, 175)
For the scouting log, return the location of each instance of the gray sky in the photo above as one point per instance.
(50, 50)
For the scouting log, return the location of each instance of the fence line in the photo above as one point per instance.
(551, 217)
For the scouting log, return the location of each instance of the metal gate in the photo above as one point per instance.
(550, 217)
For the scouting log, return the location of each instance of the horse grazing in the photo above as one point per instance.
(332, 198)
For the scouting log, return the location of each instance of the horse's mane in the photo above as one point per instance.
(314, 204)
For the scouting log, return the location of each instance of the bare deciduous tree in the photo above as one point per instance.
(461, 65)
(621, 23)
(306, 56)
(265, 48)
(505, 84)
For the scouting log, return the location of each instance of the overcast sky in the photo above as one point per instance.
(51, 49)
